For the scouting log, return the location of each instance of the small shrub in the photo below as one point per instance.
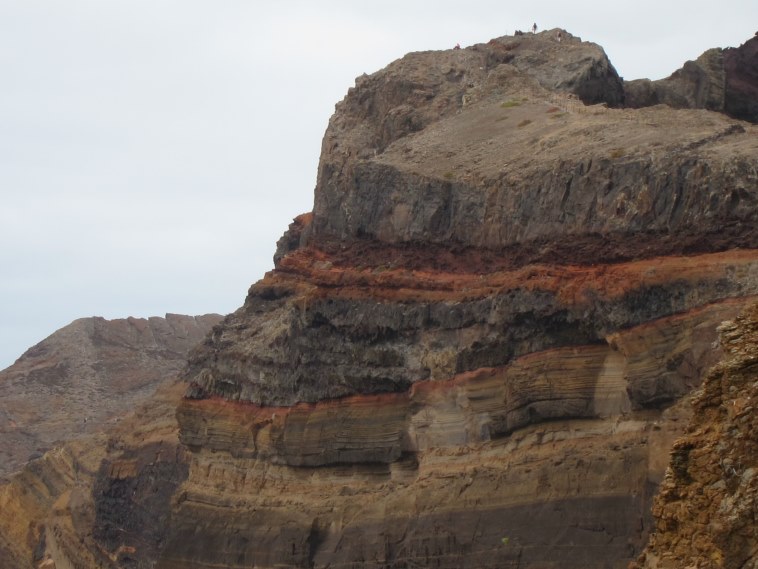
(617, 153)
(557, 116)
(448, 175)
(509, 104)
(524, 123)
(553, 110)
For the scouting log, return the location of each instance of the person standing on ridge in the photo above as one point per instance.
(534, 28)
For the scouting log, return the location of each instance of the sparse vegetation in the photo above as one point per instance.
(448, 175)
(553, 110)
(524, 123)
(617, 153)
(510, 103)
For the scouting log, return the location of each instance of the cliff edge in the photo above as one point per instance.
(475, 352)
(723, 80)
(705, 514)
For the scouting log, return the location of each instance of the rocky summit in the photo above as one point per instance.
(476, 351)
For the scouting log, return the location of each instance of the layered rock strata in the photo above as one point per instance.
(85, 375)
(473, 353)
(558, 419)
(101, 500)
(707, 508)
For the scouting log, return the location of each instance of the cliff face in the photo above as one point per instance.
(705, 514)
(724, 80)
(474, 352)
(86, 375)
(76, 393)
(99, 500)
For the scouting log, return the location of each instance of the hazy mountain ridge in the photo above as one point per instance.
(88, 374)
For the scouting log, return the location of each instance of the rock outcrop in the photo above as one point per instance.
(86, 375)
(100, 500)
(708, 505)
(475, 352)
(483, 332)
(723, 80)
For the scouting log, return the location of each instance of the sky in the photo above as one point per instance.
(153, 151)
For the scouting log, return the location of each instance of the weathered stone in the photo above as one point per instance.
(475, 352)
(726, 442)
(87, 375)
(723, 80)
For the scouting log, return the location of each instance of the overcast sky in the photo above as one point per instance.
(153, 151)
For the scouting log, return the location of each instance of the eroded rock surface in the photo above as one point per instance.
(101, 500)
(475, 352)
(723, 80)
(85, 375)
(706, 511)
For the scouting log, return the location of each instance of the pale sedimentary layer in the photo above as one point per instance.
(301, 338)
(474, 352)
(493, 468)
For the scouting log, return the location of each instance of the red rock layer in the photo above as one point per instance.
(500, 467)
(474, 352)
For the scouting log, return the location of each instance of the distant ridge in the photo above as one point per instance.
(86, 374)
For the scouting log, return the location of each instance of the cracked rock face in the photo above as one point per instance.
(475, 352)
(706, 510)
(484, 332)
(723, 80)
(86, 375)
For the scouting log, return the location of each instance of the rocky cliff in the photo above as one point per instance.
(99, 500)
(724, 80)
(705, 514)
(475, 352)
(86, 375)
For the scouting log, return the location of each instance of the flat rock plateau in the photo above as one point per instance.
(477, 351)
